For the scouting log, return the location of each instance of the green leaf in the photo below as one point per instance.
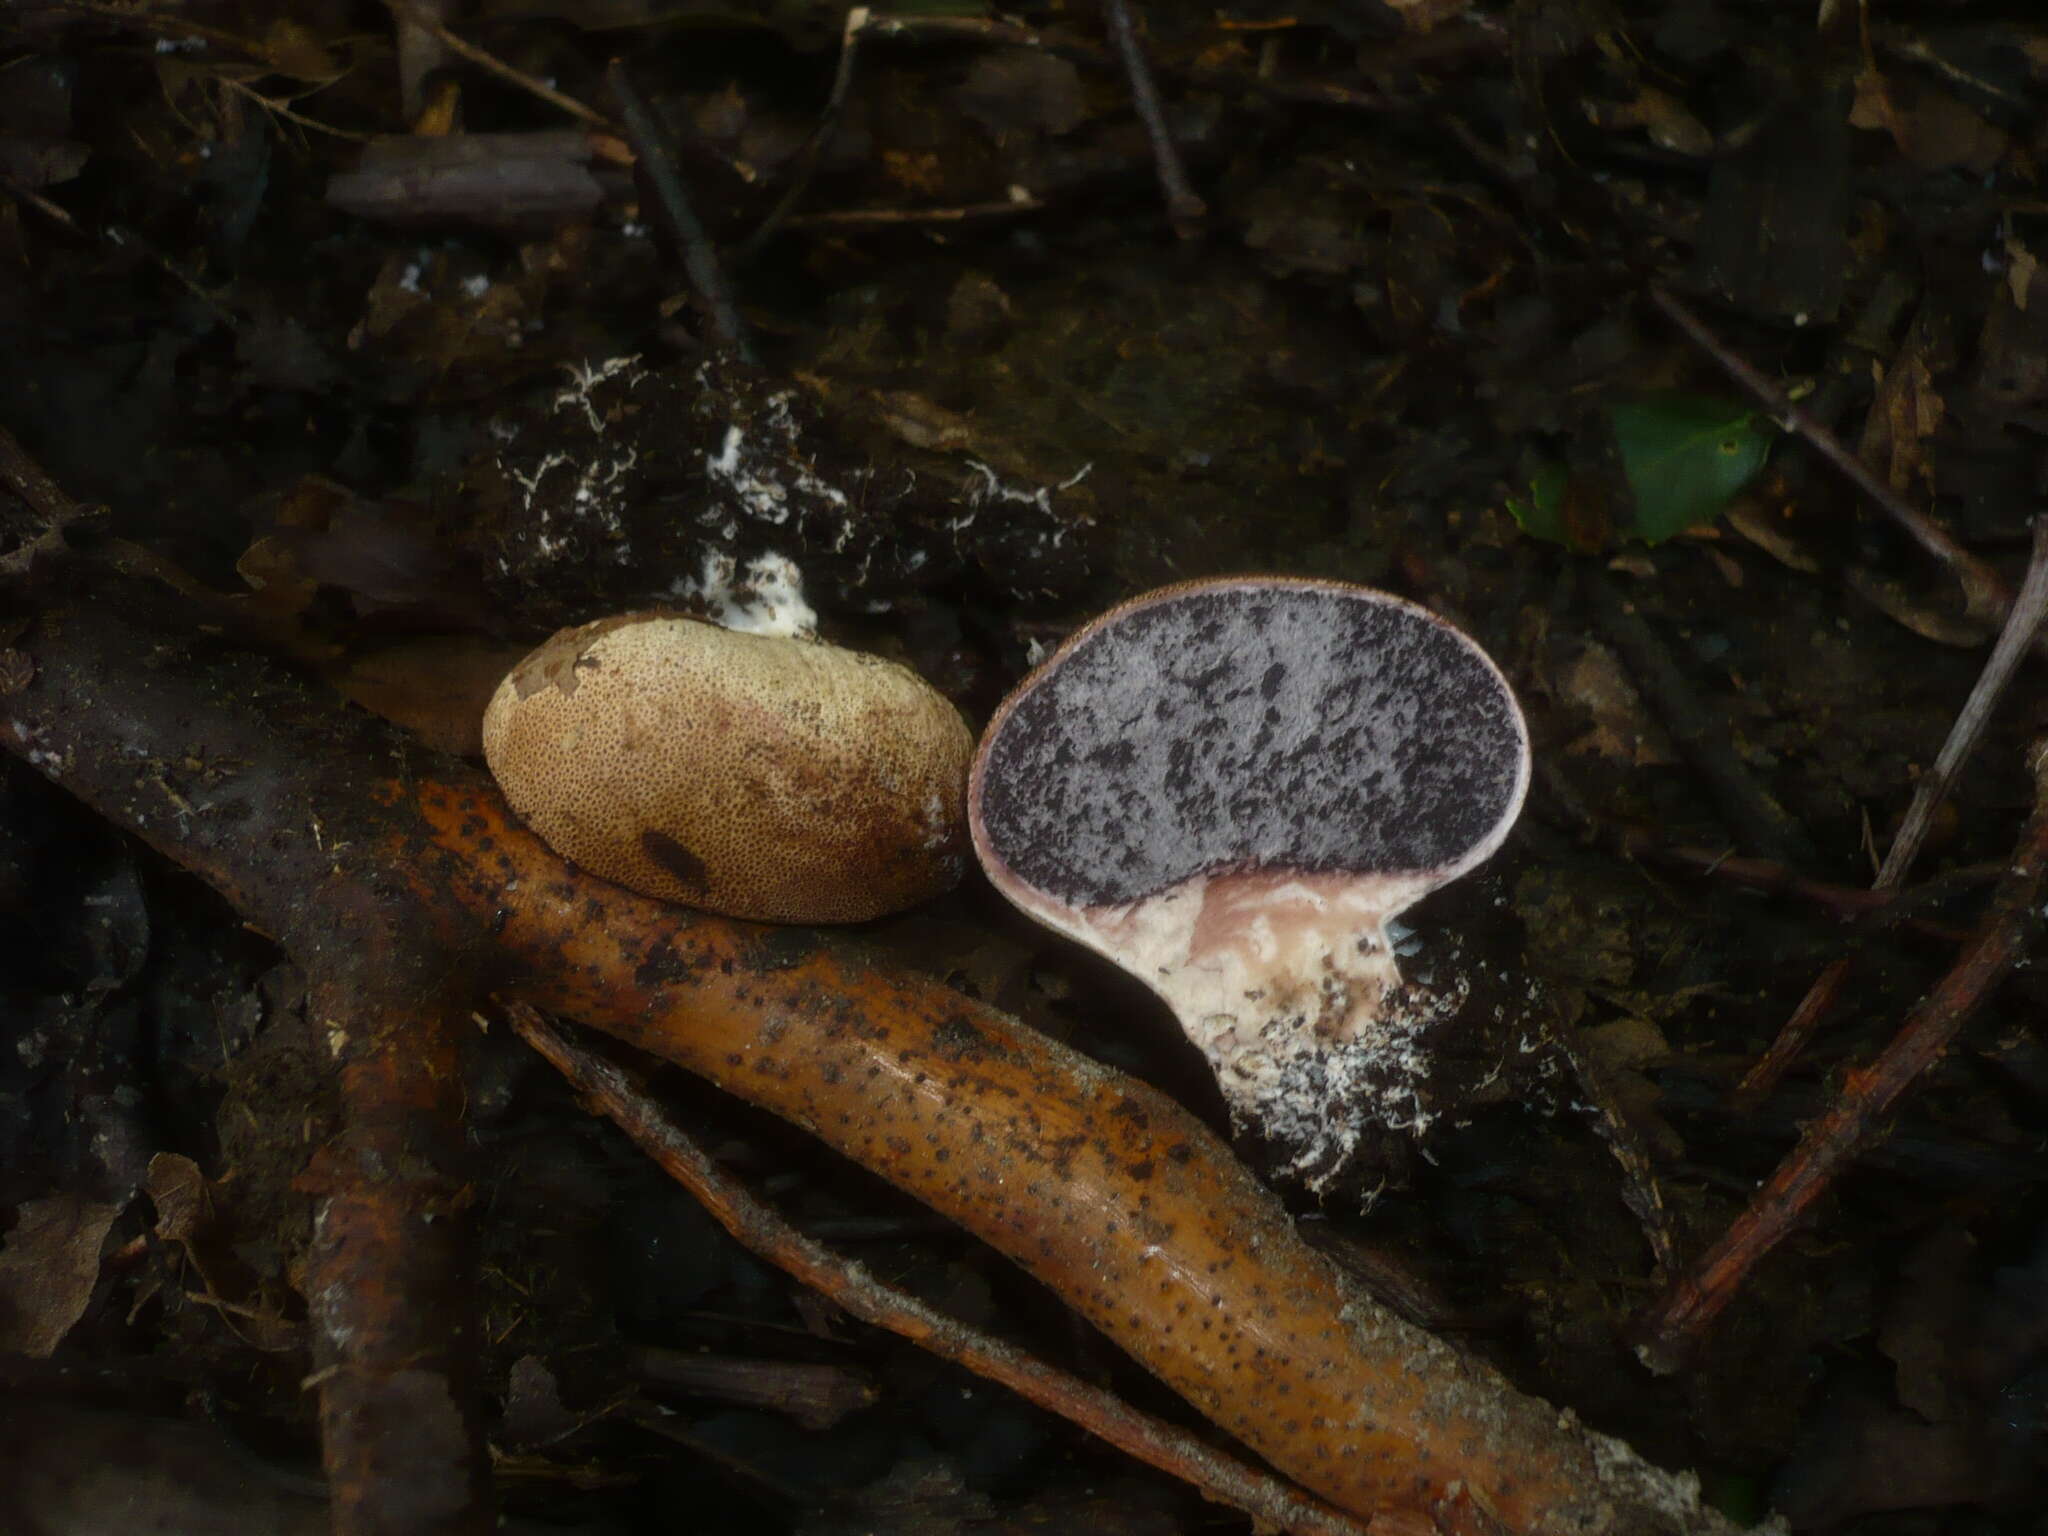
(1542, 515)
(1685, 457)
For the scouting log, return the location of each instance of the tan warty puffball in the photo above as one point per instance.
(755, 775)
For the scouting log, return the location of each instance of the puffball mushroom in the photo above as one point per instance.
(760, 776)
(1230, 788)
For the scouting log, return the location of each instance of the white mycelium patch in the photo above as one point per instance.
(600, 481)
(584, 379)
(625, 470)
(767, 600)
(993, 488)
(763, 467)
(990, 489)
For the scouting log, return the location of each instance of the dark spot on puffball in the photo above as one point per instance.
(674, 857)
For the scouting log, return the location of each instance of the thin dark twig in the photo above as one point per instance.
(276, 108)
(813, 152)
(882, 218)
(27, 479)
(2022, 623)
(767, 1235)
(122, 235)
(1877, 910)
(153, 21)
(1985, 594)
(1089, 56)
(1183, 207)
(649, 137)
(1668, 1332)
(411, 11)
(1793, 1037)
(55, 212)
(1763, 824)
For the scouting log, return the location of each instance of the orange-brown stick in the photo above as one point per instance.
(1223, 1478)
(1103, 1188)
(389, 1278)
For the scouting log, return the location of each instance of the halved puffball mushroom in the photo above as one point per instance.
(756, 775)
(1230, 788)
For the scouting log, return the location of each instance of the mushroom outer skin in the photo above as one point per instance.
(755, 775)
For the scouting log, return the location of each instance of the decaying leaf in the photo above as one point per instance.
(435, 686)
(48, 1266)
(1906, 413)
(1932, 129)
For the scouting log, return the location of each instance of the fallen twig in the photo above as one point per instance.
(510, 182)
(1183, 207)
(1985, 593)
(809, 157)
(389, 1282)
(1088, 55)
(656, 157)
(1750, 811)
(1668, 1331)
(1877, 909)
(418, 15)
(2022, 623)
(883, 218)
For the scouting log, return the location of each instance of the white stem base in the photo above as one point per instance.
(1289, 987)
